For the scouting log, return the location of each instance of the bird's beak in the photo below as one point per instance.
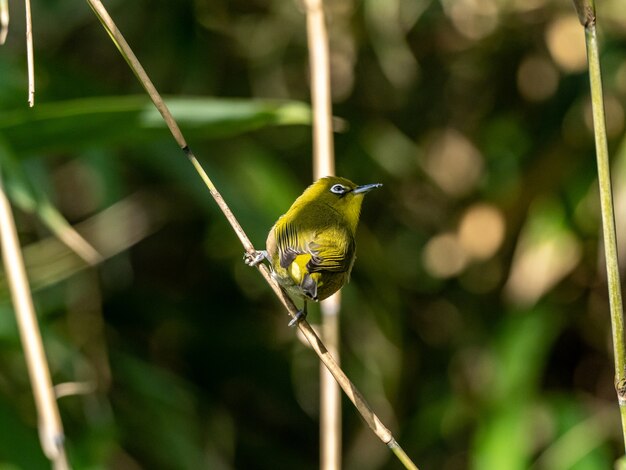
(366, 188)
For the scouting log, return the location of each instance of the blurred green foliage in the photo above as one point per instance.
(476, 322)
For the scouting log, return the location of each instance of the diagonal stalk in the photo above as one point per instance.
(305, 328)
(587, 15)
(49, 420)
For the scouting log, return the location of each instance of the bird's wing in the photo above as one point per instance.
(326, 254)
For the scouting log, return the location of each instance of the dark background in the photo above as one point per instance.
(476, 322)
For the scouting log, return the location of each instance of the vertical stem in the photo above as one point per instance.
(4, 20)
(29, 55)
(587, 15)
(323, 151)
(330, 394)
(50, 427)
(324, 165)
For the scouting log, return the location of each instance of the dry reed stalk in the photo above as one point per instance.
(50, 426)
(324, 165)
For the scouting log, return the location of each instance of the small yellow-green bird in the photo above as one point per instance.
(311, 248)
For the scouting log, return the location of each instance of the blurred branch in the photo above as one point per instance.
(49, 261)
(50, 426)
(29, 55)
(587, 15)
(324, 165)
(323, 152)
(67, 234)
(28, 197)
(4, 20)
(68, 389)
(351, 391)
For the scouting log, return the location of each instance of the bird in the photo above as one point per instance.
(311, 248)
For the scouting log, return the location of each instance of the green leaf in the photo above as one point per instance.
(129, 119)
(504, 435)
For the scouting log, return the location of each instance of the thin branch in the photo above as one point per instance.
(351, 391)
(69, 389)
(324, 165)
(68, 234)
(50, 427)
(587, 15)
(29, 55)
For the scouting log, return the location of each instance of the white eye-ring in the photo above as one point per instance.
(338, 189)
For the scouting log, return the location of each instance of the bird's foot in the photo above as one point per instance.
(254, 259)
(301, 315)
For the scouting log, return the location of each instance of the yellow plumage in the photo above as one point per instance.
(311, 248)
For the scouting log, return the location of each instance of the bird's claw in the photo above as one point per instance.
(254, 259)
(301, 315)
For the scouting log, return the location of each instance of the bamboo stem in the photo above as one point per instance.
(587, 15)
(317, 37)
(316, 343)
(324, 165)
(50, 427)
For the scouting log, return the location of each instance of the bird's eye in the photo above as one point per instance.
(338, 189)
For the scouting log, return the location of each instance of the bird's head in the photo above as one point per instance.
(341, 194)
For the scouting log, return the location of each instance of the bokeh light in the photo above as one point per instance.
(537, 78)
(481, 231)
(444, 256)
(566, 42)
(453, 162)
(473, 18)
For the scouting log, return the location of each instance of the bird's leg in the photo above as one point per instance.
(253, 259)
(301, 315)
